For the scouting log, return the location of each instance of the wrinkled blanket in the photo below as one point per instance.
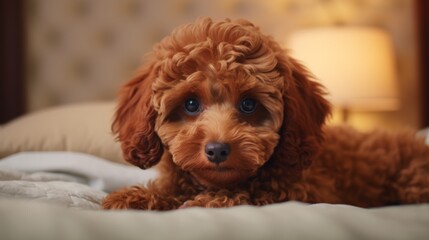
(69, 179)
(69, 186)
(55, 188)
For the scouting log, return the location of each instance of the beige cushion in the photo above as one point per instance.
(33, 220)
(79, 128)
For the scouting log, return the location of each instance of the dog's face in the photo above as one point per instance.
(219, 126)
(218, 98)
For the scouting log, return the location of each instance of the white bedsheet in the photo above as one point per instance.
(69, 187)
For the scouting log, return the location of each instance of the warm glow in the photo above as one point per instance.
(356, 65)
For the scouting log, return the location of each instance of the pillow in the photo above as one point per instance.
(80, 128)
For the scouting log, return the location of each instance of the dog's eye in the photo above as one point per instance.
(248, 105)
(192, 106)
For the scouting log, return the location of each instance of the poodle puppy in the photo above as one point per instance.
(231, 119)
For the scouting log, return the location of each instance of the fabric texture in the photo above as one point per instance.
(291, 220)
(70, 194)
(69, 179)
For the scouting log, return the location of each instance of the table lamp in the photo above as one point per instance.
(355, 64)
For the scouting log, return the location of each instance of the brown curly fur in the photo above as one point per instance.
(280, 152)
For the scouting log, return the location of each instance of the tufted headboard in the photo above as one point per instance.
(83, 50)
(80, 50)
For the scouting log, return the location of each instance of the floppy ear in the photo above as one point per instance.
(134, 120)
(305, 110)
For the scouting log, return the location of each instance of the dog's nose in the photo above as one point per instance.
(217, 152)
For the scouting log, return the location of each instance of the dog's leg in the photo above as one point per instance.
(218, 199)
(139, 197)
(413, 182)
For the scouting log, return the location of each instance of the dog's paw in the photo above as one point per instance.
(108, 205)
(126, 198)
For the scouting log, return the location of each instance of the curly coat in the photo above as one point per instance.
(279, 152)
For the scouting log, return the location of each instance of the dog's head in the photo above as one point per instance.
(222, 99)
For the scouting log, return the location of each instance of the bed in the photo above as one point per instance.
(56, 165)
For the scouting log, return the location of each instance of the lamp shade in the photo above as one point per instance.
(355, 64)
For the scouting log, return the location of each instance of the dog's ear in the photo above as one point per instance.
(134, 121)
(305, 110)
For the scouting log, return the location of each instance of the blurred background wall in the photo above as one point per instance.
(83, 50)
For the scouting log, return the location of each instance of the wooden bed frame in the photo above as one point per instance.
(12, 65)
